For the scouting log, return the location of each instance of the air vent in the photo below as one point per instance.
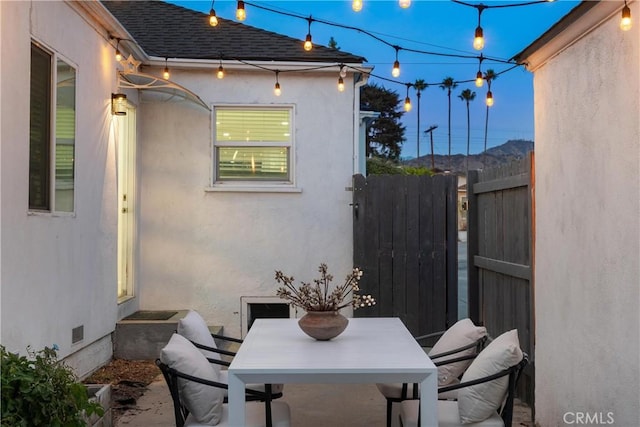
(77, 334)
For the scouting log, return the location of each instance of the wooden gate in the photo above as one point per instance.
(500, 255)
(405, 241)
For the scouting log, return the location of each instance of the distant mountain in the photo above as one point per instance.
(496, 156)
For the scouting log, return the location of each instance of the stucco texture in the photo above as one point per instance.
(204, 250)
(587, 246)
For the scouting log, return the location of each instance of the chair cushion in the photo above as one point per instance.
(462, 333)
(194, 328)
(394, 390)
(203, 402)
(479, 402)
(254, 416)
(448, 415)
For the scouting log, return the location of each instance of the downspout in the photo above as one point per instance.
(359, 160)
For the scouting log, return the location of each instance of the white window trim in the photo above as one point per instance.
(254, 186)
(55, 56)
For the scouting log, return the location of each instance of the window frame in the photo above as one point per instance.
(248, 185)
(52, 143)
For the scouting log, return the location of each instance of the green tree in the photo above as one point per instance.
(449, 84)
(386, 134)
(419, 86)
(489, 76)
(467, 96)
(333, 44)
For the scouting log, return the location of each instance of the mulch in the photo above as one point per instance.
(129, 380)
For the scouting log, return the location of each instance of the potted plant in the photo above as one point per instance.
(40, 390)
(322, 303)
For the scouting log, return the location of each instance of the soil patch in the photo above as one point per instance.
(129, 380)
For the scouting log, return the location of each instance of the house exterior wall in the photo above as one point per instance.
(587, 245)
(205, 250)
(58, 271)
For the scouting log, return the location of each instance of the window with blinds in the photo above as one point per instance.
(52, 112)
(253, 144)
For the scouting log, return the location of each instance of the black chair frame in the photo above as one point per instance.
(479, 344)
(181, 412)
(514, 372)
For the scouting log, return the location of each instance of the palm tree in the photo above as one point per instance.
(489, 76)
(419, 85)
(449, 84)
(468, 95)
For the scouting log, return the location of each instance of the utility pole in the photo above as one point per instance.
(430, 132)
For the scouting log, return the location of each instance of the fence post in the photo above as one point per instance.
(473, 280)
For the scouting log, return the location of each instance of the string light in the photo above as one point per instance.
(165, 73)
(478, 39)
(625, 22)
(343, 71)
(276, 89)
(404, 3)
(407, 100)
(356, 5)
(307, 43)
(241, 14)
(118, 53)
(395, 72)
(213, 19)
(479, 76)
(489, 99)
(220, 73)
(340, 84)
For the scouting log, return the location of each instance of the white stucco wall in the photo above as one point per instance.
(58, 272)
(205, 250)
(587, 266)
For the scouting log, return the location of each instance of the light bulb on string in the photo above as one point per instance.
(276, 89)
(343, 71)
(407, 100)
(241, 14)
(213, 19)
(489, 100)
(404, 3)
(395, 72)
(166, 73)
(308, 45)
(479, 79)
(118, 53)
(356, 5)
(220, 73)
(625, 22)
(478, 38)
(340, 84)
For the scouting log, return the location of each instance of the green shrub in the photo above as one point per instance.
(42, 391)
(379, 166)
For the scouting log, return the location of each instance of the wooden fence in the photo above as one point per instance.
(500, 255)
(405, 241)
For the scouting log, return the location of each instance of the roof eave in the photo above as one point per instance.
(580, 21)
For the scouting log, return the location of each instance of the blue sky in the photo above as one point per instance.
(428, 25)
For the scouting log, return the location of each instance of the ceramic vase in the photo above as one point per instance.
(323, 325)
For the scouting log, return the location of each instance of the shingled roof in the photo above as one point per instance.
(170, 31)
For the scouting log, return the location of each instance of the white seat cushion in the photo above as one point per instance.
(203, 401)
(275, 388)
(463, 332)
(394, 390)
(194, 328)
(280, 415)
(448, 415)
(480, 401)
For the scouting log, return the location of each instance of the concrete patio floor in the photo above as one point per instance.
(312, 405)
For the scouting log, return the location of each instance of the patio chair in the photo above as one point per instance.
(197, 394)
(452, 354)
(486, 392)
(194, 328)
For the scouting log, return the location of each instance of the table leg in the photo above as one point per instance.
(429, 401)
(236, 401)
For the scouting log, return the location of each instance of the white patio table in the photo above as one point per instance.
(370, 350)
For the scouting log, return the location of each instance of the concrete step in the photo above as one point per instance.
(142, 335)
